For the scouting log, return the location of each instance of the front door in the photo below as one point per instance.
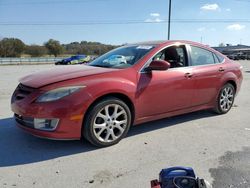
(160, 92)
(164, 91)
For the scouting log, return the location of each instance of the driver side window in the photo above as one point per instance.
(175, 55)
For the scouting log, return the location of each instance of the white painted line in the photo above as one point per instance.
(247, 129)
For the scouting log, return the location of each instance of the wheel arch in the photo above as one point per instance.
(230, 81)
(231, 78)
(118, 95)
(233, 83)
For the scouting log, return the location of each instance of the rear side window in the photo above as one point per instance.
(220, 58)
(216, 59)
(200, 56)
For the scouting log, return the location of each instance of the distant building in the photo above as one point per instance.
(235, 52)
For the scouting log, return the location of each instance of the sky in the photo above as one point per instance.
(125, 21)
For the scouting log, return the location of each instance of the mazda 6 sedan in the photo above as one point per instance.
(102, 100)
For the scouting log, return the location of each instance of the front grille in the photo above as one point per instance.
(21, 92)
(25, 121)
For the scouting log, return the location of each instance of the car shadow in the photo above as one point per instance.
(18, 147)
(247, 71)
(167, 122)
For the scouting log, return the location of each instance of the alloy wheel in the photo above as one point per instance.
(226, 98)
(110, 122)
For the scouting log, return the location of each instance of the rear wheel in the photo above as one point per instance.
(107, 122)
(225, 99)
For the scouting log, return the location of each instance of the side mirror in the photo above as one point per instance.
(159, 65)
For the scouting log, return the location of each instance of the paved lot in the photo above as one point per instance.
(218, 147)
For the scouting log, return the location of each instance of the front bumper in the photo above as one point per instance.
(65, 129)
(69, 111)
(55, 135)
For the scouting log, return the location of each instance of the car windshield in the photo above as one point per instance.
(122, 57)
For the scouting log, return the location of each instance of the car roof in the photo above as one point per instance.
(152, 43)
(161, 42)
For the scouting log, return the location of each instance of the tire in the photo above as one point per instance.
(107, 122)
(225, 99)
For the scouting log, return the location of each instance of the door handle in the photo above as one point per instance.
(188, 75)
(221, 69)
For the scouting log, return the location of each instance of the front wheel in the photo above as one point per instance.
(225, 99)
(107, 122)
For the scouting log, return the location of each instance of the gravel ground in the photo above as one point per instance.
(217, 147)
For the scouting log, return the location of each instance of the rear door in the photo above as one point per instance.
(207, 73)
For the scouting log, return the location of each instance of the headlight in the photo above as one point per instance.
(58, 93)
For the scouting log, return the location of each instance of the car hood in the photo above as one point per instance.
(59, 74)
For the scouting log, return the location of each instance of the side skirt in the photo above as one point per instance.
(173, 113)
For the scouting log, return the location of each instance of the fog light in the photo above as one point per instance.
(45, 124)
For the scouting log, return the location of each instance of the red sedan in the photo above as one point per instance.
(127, 86)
